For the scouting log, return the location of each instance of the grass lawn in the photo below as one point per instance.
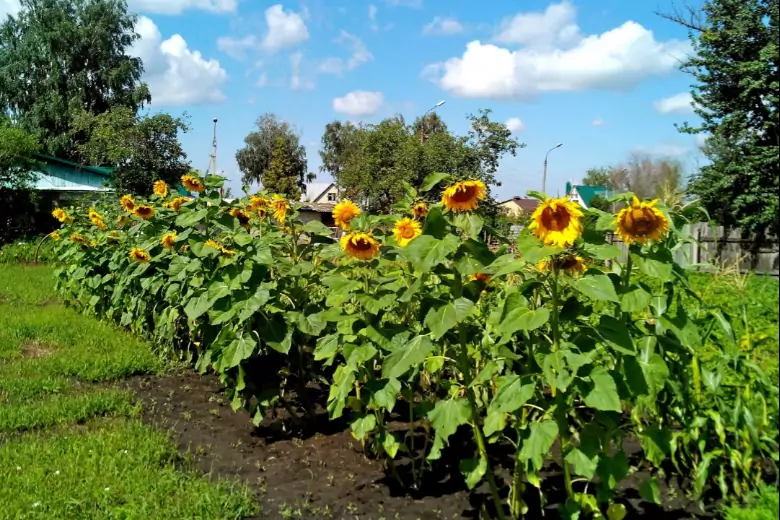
(70, 443)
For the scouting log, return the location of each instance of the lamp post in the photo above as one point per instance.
(544, 175)
(422, 121)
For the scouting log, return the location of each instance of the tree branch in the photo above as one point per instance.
(685, 15)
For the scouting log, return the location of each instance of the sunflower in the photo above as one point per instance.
(168, 239)
(406, 230)
(420, 209)
(113, 235)
(641, 222)
(279, 206)
(556, 222)
(143, 211)
(219, 247)
(242, 216)
(192, 183)
(160, 188)
(257, 202)
(60, 215)
(481, 278)
(464, 196)
(55, 236)
(572, 264)
(139, 255)
(262, 213)
(344, 212)
(176, 203)
(97, 219)
(127, 202)
(79, 239)
(360, 245)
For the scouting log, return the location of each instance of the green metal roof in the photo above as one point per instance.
(588, 193)
(100, 170)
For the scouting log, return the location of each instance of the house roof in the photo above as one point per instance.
(315, 191)
(588, 193)
(319, 208)
(528, 205)
(99, 170)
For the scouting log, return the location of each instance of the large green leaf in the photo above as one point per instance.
(442, 319)
(402, 359)
(343, 378)
(327, 347)
(473, 470)
(363, 425)
(426, 252)
(518, 315)
(238, 350)
(315, 227)
(218, 289)
(656, 265)
(383, 393)
(653, 366)
(513, 393)
(584, 463)
(536, 447)
(190, 218)
(656, 443)
(447, 415)
(197, 307)
(635, 300)
(602, 251)
(603, 394)
(597, 286)
(431, 180)
(616, 334)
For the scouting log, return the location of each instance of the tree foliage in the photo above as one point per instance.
(57, 56)
(646, 176)
(736, 96)
(16, 155)
(284, 175)
(140, 149)
(255, 158)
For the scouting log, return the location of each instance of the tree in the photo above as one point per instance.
(283, 175)
(140, 149)
(645, 176)
(598, 177)
(736, 96)
(254, 159)
(16, 156)
(337, 142)
(57, 56)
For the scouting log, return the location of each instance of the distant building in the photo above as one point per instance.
(318, 203)
(518, 207)
(321, 194)
(64, 180)
(583, 194)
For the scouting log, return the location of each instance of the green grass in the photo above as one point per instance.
(111, 470)
(762, 505)
(70, 443)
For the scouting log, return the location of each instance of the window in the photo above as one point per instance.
(331, 197)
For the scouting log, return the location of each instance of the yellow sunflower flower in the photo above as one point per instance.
(97, 219)
(143, 211)
(556, 222)
(60, 215)
(192, 183)
(464, 196)
(160, 188)
(55, 236)
(219, 247)
(279, 206)
(127, 202)
(360, 245)
(226, 251)
(176, 203)
(79, 239)
(257, 202)
(242, 216)
(139, 255)
(262, 213)
(481, 278)
(406, 230)
(420, 209)
(168, 240)
(344, 212)
(572, 264)
(641, 222)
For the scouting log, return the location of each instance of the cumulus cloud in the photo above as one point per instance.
(359, 55)
(179, 6)
(285, 29)
(440, 25)
(359, 103)
(553, 56)
(515, 125)
(597, 122)
(681, 103)
(296, 83)
(176, 75)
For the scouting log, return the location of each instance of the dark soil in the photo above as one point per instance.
(322, 473)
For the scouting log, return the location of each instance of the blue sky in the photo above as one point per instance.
(600, 76)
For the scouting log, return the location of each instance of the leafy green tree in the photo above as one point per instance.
(598, 177)
(284, 176)
(338, 140)
(57, 56)
(16, 156)
(140, 149)
(736, 96)
(254, 159)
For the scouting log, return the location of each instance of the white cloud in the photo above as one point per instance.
(359, 103)
(597, 122)
(515, 125)
(700, 139)
(406, 3)
(681, 103)
(176, 75)
(359, 55)
(557, 59)
(372, 10)
(441, 25)
(296, 83)
(179, 6)
(285, 29)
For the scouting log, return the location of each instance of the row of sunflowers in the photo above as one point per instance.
(410, 315)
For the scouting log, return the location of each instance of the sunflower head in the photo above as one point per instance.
(176, 203)
(79, 239)
(344, 212)
(464, 196)
(160, 188)
(60, 215)
(192, 183)
(420, 209)
(572, 264)
(556, 222)
(406, 230)
(144, 211)
(262, 213)
(360, 245)
(213, 244)
(96, 219)
(279, 206)
(127, 202)
(641, 222)
(139, 255)
(257, 202)
(242, 216)
(168, 240)
(481, 278)
(55, 236)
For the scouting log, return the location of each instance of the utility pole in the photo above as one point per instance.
(422, 121)
(544, 175)
(213, 157)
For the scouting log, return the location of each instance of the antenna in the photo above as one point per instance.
(213, 157)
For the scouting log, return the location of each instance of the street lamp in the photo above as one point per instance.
(544, 175)
(422, 122)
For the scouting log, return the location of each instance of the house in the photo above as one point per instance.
(318, 203)
(517, 207)
(583, 194)
(321, 194)
(64, 180)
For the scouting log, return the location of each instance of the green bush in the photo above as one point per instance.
(762, 505)
(23, 251)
